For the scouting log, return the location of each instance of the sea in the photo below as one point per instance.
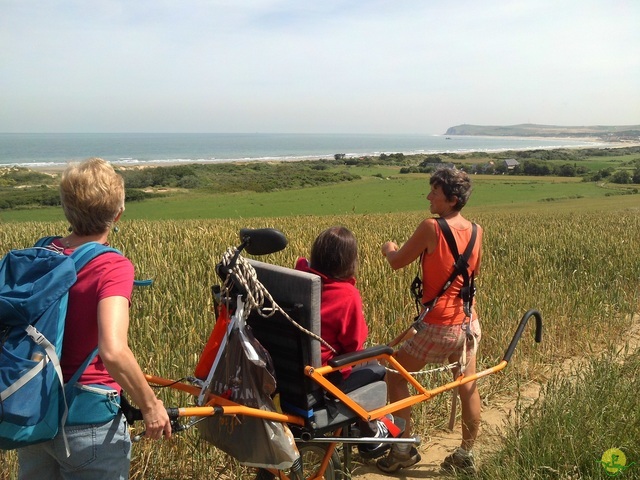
(57, 149)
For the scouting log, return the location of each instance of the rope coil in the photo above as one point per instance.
(256, 293)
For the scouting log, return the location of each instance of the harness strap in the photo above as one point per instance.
(460, 265)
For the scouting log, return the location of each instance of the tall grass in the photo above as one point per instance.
(566, 434)
(580, 270)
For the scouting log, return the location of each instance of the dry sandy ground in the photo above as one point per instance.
(441, 443)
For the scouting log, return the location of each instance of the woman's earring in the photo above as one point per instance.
(116, 229)
(70, 229)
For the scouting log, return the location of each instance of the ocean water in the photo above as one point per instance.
(54, 149)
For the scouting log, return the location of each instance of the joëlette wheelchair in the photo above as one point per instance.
(317, 422)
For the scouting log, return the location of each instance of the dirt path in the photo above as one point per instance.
(442, 442)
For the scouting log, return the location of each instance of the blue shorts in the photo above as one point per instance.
(97, 451)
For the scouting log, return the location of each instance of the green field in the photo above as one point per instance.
(332, 187)
(370, 194)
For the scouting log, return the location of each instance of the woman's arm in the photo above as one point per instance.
(423, 238)
(113, 347)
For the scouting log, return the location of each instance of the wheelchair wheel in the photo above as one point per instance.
(312, 454)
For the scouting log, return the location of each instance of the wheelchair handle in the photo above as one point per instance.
(518, 334)
(134, 414)
(259, 241)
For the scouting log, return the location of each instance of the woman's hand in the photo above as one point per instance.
(156, 421)
(388, 247)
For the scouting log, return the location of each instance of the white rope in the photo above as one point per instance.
(464, 361)
(256, 293)
(444, 368)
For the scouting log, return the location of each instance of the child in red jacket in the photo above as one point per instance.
(334, 257)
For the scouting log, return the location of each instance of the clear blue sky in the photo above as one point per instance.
(317, 66)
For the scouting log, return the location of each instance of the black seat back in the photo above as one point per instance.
(298, 293)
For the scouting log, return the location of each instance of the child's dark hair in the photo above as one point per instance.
(454, 183)
(335, 253)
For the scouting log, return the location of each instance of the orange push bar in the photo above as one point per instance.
(218, 405)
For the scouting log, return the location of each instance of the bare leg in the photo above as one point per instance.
(401, 455)
(399, 389)
(471, 408)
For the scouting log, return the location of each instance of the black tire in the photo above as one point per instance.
(311, 455)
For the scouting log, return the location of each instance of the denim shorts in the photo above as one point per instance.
(436, 343)
(97, 452)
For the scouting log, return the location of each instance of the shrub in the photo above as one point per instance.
(621, 176)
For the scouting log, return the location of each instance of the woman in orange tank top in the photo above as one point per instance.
(443, 337)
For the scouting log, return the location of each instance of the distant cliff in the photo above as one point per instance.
(623, 132)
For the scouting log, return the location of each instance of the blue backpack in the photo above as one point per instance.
(34, 287)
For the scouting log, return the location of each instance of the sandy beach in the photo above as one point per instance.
(57, 168)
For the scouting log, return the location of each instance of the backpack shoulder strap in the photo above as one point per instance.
(83, 254)
(88, 251)
(44, 241)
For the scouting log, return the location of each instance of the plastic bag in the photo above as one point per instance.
(245, 376)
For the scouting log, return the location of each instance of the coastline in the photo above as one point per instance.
(55, 168)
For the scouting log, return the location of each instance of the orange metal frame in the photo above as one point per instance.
(217, 405)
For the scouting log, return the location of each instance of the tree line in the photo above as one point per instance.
(540, 163)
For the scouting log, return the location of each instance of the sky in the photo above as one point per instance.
(316, 66)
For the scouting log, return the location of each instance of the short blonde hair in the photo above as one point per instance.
(92, 195)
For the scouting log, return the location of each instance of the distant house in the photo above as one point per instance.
(511, 163)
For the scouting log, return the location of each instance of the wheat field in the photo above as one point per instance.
(580, 270)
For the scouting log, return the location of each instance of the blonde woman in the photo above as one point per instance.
(92, 196)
